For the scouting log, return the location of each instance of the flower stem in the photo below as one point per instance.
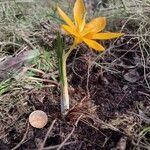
(69, 51)
(64, 85)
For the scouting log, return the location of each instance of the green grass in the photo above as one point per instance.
(145, 131)
(4, 86)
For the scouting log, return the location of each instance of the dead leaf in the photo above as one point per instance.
(10, 64)
(121, 145)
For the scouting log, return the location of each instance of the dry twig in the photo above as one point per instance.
(47, 134)
(69, 135)
(56, 146)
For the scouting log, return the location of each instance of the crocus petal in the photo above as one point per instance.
(93, 44)
(78, 40)
(89, 35)
(82, 25)
(106, 36)
(69, 30)
(79, 11)
(65, 17)
(96, 25)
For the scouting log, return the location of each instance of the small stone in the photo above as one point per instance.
(38, 119)
(132, 76)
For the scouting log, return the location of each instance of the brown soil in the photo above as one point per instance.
(107, 102)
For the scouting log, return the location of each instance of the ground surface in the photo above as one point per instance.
(109, 92)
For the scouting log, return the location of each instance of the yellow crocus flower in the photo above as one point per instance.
(86, 32)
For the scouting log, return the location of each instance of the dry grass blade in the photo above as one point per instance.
(56, 146)
(47, 134)
(69, 135)
(43, 80)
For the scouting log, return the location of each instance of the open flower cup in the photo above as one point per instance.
(81, 31)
